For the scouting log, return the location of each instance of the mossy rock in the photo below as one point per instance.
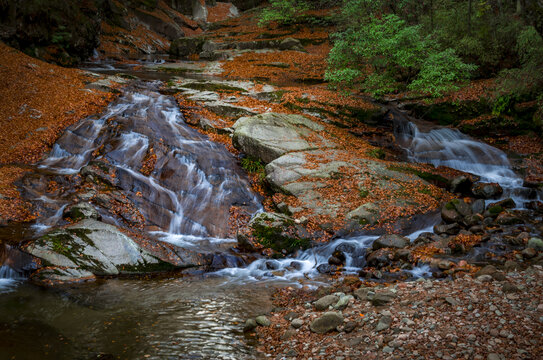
(279, 232)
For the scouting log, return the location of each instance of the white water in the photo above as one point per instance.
(195, 180)
(305, 264)
(9, 279)
(439, 147)
(451, 148)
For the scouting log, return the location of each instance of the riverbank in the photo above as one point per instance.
(40, 100)
(494, 314)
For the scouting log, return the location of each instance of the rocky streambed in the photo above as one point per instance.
(143, 190)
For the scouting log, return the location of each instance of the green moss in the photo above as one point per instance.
(425, 191)
(363, 193)
(178, 71)
(427, 176)
(274, 238)
(212, 87)
(496, 209)
(254, 166)
(377, 153)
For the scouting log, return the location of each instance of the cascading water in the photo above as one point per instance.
(194, 183)
(451, 148)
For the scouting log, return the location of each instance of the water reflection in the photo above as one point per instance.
(196, 318)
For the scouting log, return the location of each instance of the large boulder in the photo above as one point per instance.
(278, 232)
(486, 190)
(270, 135)
(91, 248)
(390, 241)
(186, 46)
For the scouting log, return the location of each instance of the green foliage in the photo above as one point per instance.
(253, 166)
(284, 12)
(440, 73)
(377, 153)
(385, 54)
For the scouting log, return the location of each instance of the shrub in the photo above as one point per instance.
(385, 54)
(284, 12)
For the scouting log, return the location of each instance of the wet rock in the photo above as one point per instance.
(324, 302)
(94, 247)
(81, 211)
(327, 322)
(338, 258)
(262, 320)
(537, 206)
(384, 323)
(326, 268)
(460, 184)
(505, 203)
(278, 232)
(535, 243)
(380, 258)
(486, 190)
(250, 325)
(427, 237)
(402, 254)
(449, 229)
(472, 220)
(529, 253)
(297, 323)
(507, 218)
(449, 214)
(478, 206)
(390, 241)
(270, 135)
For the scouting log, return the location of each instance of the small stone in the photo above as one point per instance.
(535, 243)
(250, 325)
(288, 334)
(507, 287)
(349, 326)
(324, 302)
(452, 301)
(388, 349)
(343, 302)
(493, 356)
(485, 278)
(384, 323)
(262, 320)
(329, 321)
(487, 270)
(382, 298)
(297, 323)
(529, 253)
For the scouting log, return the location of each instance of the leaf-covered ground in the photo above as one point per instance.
(39, 101)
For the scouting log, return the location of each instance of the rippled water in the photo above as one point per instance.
(186, 318)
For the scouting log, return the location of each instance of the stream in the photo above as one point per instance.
(185, 201)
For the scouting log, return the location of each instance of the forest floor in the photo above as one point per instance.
(39, 100)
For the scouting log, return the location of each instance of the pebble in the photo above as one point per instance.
(297, 323)
(262, 320)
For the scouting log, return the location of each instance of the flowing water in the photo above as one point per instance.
(185, 200)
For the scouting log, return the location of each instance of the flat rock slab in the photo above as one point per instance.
(270, 135)
(91, 248)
